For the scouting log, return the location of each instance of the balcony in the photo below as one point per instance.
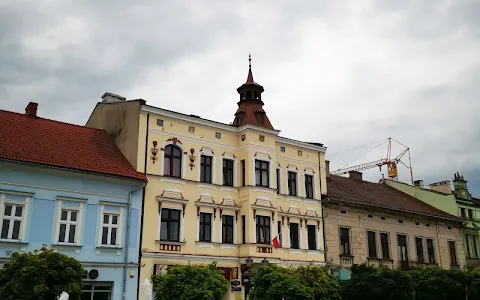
(406, 265)
(346, 260)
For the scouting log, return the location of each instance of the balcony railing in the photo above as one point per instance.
(346, 260)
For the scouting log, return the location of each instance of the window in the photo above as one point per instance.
(344, 241)
(470, 214)
(228, 172)
(206, 169)
(261, 173)
(97, 291)
(172, 161)
(312, 237)
(292, 183)
(430, 251)
(384, 245)
(110, 229)
(170, 225)
(205, 234)
(453, 253)
(462, 212)
(372, 244)
(280, 233)
(294, 236)
(402, 247)
(309, 186)
(419, 247)
(11, 221)
(278, 181)
(243, 230)
(471, 243)
(227, 229)
(68, 226)
(242, 163)
(263, 229)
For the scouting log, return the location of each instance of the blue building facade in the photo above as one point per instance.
(91, 217)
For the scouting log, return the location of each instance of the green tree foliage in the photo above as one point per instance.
(302, 283)
(40, 275)
(378, 284)
(436, 284)
(190, 282)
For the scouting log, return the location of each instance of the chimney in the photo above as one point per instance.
(327, 167)
(112, 98)
(355, 175)
(31, 110)
(418, 183)
(442, 187)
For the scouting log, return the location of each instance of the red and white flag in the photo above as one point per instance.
(276, 242)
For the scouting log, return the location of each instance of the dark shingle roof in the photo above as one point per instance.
(380, 195)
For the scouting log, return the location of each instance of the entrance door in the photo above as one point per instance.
(97, 291)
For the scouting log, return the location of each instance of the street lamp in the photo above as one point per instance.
(265, 262)
(247, 276)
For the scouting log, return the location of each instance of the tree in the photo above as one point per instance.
(190, 283)
(378, 284)
(324, 286)
(40, 275)
(435, 284)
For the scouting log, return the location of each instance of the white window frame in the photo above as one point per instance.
(294, 170)
(205, 151)
(23, 220)
(234, 227)
(79, 223)
(300, 246)
(235, 163)
(184, 159)
(212, 227)
(317, 242)
(266, 158)
(167, 203)
(120, 215)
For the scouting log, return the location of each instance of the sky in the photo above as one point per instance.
(343, 73)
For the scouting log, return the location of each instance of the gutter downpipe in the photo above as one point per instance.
(323, 211)
(127, 239)
(143, 205)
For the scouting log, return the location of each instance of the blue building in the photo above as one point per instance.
(70, 188)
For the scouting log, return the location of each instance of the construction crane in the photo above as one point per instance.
(391, 163)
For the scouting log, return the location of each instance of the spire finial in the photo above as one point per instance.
(249, 61)
(250, 75)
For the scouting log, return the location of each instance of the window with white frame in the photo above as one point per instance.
(111, 230)
(68, 226)
(12, 218)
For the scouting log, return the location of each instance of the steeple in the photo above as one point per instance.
(250, 107)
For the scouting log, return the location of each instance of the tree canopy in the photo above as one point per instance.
(40, 275)
(190, 282)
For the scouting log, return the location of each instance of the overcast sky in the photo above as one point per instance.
(344, 73)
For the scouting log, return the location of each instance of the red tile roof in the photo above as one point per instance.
(42, 141)
(380, 195)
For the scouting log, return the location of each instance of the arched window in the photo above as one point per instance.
(172, 165)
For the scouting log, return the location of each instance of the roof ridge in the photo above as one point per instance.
(51, 120)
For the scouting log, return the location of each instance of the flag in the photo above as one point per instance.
(276, 242)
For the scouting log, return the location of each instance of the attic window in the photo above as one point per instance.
(400, 221)
(383, 218)
(343, 211)
(416, 223)
(370, 216)
(260, 117)
(428, 225)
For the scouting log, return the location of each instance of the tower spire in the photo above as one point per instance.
(250, 75)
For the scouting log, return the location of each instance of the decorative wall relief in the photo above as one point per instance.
(192, 158)
(154, 151)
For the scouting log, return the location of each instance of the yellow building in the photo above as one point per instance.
(220, 192)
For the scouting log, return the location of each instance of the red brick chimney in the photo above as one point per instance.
(31, 110)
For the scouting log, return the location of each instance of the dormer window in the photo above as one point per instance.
(260, 117)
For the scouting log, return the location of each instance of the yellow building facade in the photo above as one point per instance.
(220, 192)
